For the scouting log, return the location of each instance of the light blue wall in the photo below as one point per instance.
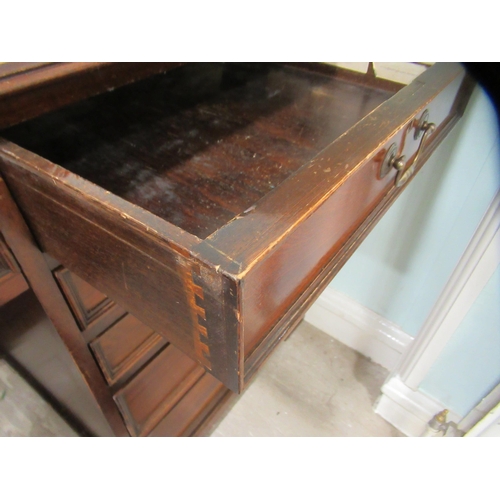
(469, 366)
(403, 265)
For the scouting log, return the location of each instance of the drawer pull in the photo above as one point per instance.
(398, 162)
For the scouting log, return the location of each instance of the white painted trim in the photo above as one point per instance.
(481, 410)
(359, 328)
(475, 268)
(406, 409)
(489, 426)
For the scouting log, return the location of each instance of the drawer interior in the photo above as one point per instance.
(201, 144)
(214, 202)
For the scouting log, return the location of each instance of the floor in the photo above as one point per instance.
(23, 412)
(312, 385)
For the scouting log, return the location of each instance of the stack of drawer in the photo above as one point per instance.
(158, 390)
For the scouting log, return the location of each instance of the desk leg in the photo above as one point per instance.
(37, 273)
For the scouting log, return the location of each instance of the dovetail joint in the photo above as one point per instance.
(196, 301)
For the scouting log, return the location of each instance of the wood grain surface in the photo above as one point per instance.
(215, 201)
(28, 90)
(125, 347)
(12, 282)
(231, 133)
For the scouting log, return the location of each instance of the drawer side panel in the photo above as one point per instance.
(190, 303)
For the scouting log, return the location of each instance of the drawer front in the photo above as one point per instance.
(155, 391)
(159, 391)
(125, 347)
(92, 309)
(186, 417)
(12, 282)
(226, 300)
(8, 265)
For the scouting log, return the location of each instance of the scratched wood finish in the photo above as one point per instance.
(343, 212)
(17, 68)
(148, 276)
(232, 133)
(139, 265)
(187, 416)
(121, 351)
(221, 269)
(28, 90)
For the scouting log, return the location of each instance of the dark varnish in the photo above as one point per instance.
(202, 143)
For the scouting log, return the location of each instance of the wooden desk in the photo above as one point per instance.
(213, 202)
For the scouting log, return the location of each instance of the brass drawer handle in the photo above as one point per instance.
(398, 162)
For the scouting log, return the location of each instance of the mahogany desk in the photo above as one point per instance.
(176, 221)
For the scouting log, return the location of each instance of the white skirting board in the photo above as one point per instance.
(408, 410)
(489, 426)
(359, 328)
(383, 342)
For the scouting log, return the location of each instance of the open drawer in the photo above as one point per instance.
(216, 201)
